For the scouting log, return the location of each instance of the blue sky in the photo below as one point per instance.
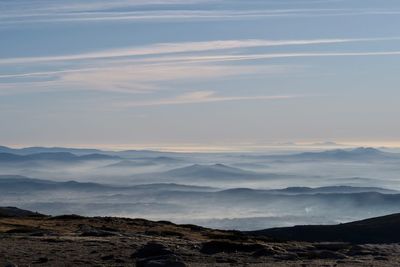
(198, 73)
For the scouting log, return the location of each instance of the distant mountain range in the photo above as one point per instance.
(175, 200)
(357, 154)
(333, 189)
(16, 183)
(143, 162)
(361, 153)
(84, 151)
(213, 174)
(35, 150)
(53, 156)
(317, 144)
(214, 171)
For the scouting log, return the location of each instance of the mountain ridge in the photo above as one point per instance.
(53, 156)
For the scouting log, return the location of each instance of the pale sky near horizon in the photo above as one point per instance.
(199, 72)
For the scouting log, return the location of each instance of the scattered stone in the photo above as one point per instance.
(381, 258)
(225, 260)
(156, 255)
(52, 240)
(231, 235)
(327, 254)
(41, 260)
(9, 264)
(332, 246)
(107, 257)
(265, 252)
(151, 249)
(164, 233)
(119, 261)
(23, 230)
(161, 261)
(88, 231)
(289, 256)
(213, 247)
(359, 251)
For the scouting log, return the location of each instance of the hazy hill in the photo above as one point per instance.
(354, 154)
(357, 154)
(215, 171)
(35, 150)
(334, 189)
(129, 164)
(143, 162)
(85, 151)
(53, 156)
(16, 183)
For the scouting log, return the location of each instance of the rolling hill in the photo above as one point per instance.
(212, 172)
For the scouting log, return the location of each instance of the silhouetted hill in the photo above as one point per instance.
(385, 229)
(16, 212)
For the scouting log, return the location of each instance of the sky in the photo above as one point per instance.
(198, 73)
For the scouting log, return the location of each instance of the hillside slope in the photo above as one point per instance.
(384, 229)
(73, 240)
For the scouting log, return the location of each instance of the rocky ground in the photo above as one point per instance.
(36, 240)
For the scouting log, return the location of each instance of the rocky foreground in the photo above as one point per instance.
(31, 239)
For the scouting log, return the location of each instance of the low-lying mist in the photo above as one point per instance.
(232, 191)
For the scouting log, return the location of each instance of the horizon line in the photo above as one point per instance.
(199, 148)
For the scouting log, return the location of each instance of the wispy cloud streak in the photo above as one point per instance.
(183, 47)
(202, 97)
(145, 68)
(248, 57)
(181, 15)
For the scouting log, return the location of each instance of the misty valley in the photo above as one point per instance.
(242, 191)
